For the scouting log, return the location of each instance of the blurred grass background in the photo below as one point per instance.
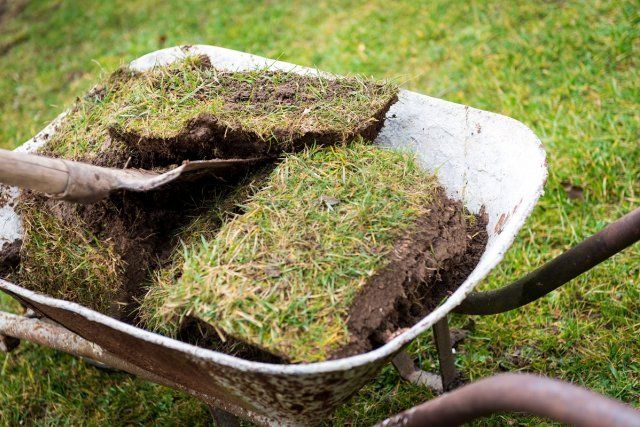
(567, 69)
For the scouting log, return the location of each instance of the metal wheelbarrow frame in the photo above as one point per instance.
(484, 159)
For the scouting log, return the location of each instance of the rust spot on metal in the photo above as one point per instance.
(500, 224)
(515, 208)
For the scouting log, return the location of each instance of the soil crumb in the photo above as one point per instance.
(10, 258)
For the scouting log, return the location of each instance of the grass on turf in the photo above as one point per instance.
(282, 275)
(65, 259)
(159, 104)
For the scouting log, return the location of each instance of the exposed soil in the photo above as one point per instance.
(427, 265)
(197, 332)
(9, 258)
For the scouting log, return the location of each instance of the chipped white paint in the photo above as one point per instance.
(485, 159)
(10, 223)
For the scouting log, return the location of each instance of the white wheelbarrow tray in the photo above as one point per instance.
(484, 159)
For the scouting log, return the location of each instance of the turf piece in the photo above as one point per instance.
(191, 110)
(340, 246)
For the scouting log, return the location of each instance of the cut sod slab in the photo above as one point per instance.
(339, 248)
(190, 110)
(102, 255)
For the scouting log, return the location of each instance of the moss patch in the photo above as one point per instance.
(283, 275)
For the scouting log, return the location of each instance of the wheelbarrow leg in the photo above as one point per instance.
(442, 338)
(449, 375)
(409, 372)
(223, 418)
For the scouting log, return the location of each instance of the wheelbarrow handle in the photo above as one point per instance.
(49, 334)
(560, 270)
(532, 394)
(39, 173)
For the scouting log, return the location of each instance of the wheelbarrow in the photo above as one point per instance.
(486, 160)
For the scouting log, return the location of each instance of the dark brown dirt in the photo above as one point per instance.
(195, 331)
(427, 265)
(10, 258)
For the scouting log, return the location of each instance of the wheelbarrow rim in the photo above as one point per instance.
(502, 240)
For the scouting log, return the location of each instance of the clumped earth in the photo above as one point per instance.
(101, 254)
(10, 258)
(338, 249)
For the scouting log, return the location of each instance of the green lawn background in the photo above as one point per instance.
(567, 69)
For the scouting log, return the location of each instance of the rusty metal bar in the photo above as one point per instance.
(48, 334)
(565, 267)
(442, 338)
(409, 372)
(52, 335)
(532, 394)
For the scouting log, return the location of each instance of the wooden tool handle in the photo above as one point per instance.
(62, 179)
(38, 173)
